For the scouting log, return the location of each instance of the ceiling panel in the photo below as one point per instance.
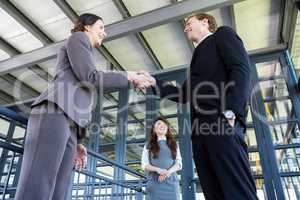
(222, 16)
(25, 42)
(17, 35)
(59, 29)
(258, 22)
(101, 62)
(136, 7)
(48, 17)
(130, 54)
(163, 39)
(3, 55)
(104, 8)
(10, 27)
(31, 79)
(11, 90)
(168, 44)
(49, 66)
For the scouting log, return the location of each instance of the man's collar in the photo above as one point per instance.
(208, 34)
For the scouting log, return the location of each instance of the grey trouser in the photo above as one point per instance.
(49, 151)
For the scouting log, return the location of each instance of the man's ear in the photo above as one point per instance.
(205, 20)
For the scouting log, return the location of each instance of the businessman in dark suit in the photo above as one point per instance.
(217, 89)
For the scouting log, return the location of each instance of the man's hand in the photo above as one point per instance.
(80, 157)
(230, 117)
(150, 79)
(141, 79)
(231, 122)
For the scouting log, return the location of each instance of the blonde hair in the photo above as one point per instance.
(211, 20)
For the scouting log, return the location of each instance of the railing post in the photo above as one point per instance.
(121, 135)
(185, 144)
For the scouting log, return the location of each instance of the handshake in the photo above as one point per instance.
(141, 79)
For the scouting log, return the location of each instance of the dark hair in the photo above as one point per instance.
(211, 20)
(85, 20)
(153, 144)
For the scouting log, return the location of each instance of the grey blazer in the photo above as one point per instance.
(73, 88)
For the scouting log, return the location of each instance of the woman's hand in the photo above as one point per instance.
(165, 175)
(161, 171)
(80, 157)
(141, 79)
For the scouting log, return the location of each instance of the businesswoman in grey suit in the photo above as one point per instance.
(161, 159)
(61, 114)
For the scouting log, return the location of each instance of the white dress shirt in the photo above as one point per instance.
(145, 156)
(208, 34)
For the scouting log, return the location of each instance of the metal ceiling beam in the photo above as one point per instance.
(171, 13)
(5, 98)
(7, 78)
(18, 105)
(6, 47)
(32, 28)
(12, 51)
(289, 23)
(107, 55)
(126, 15)
(25, 111)
(232, 17)
(8, 81)
(72, 15)
(267, 50)
(24, 88)
(7, 87)
(274, 5)
(34, 57)
(167, 14)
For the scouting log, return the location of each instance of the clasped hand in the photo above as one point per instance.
(141, 79)
(163, 174)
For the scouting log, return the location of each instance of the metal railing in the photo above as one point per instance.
(99, 186)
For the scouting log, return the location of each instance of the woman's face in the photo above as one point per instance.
(160, 128)
(96, 32)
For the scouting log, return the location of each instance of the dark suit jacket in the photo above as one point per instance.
(218, 61)
(73, 87)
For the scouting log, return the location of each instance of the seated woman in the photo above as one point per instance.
(161, 159)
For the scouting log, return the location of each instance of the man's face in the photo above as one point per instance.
(194, 28)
